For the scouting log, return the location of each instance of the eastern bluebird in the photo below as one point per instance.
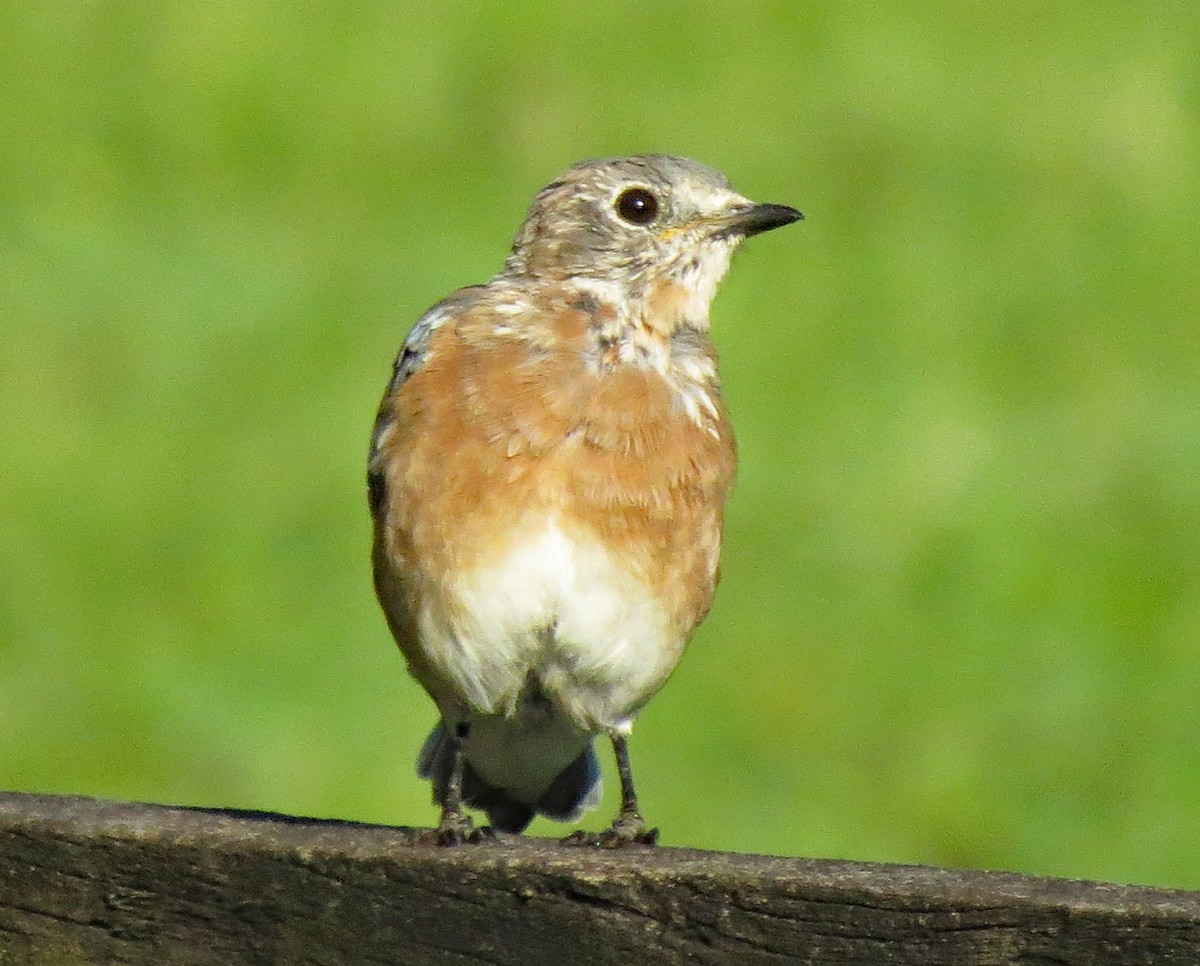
(547, 478)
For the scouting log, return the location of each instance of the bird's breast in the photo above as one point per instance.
(549, 516)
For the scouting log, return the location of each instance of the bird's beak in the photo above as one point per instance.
(754, 219)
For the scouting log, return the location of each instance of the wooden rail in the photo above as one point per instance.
(99, 882)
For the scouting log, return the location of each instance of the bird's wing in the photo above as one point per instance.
(412, 355)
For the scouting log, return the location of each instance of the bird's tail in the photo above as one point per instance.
(572, 792)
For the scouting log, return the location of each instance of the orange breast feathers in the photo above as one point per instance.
(509, 419)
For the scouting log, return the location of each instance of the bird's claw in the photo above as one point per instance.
(626, 830)
(456, 828)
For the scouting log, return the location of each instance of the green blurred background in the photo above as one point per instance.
(961, 599)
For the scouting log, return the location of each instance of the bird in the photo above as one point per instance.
(547, 477)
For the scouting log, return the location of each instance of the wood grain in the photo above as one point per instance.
(99, 882)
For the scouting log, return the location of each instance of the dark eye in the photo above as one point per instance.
(637, 206)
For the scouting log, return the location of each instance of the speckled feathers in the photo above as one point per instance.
(549, 470)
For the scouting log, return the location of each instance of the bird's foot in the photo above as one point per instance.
(456, 828)
(629, 828)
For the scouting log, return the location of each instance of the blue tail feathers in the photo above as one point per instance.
(575, 790)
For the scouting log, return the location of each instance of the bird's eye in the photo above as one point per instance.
(637, 206)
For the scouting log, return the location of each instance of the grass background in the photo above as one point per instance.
(961, 604)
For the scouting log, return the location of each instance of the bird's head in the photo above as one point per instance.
(625, 227)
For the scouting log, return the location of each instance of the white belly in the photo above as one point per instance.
(559, 613)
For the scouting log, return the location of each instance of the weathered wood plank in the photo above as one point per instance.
(98, 882)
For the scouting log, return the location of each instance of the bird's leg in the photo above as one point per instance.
(628, 828)
(456, 826)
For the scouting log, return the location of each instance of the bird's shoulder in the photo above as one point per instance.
(420, 337)
(409, 360)
(489, 357)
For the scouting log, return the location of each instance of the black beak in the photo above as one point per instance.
(756, 219)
